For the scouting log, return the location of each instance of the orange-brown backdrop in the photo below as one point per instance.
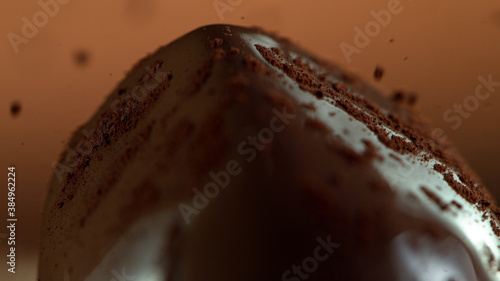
(435, 48)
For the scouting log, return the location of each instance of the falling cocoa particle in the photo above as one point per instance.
(378, 73)
(405, 97)
(15, 109)
(412, 99)
(398, 96)
(81, 57)
(391, 40)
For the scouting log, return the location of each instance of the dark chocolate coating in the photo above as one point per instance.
(232, 154)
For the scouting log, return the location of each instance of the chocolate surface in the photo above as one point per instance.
(295, 150)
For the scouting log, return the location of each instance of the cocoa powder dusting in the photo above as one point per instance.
(216, 43)
(434, 198)
(368, 112)
(439, 168)
(317, 125)
(466, 192)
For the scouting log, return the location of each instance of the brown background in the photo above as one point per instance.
(448, 44)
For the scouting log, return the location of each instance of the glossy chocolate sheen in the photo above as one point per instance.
(232, 154)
